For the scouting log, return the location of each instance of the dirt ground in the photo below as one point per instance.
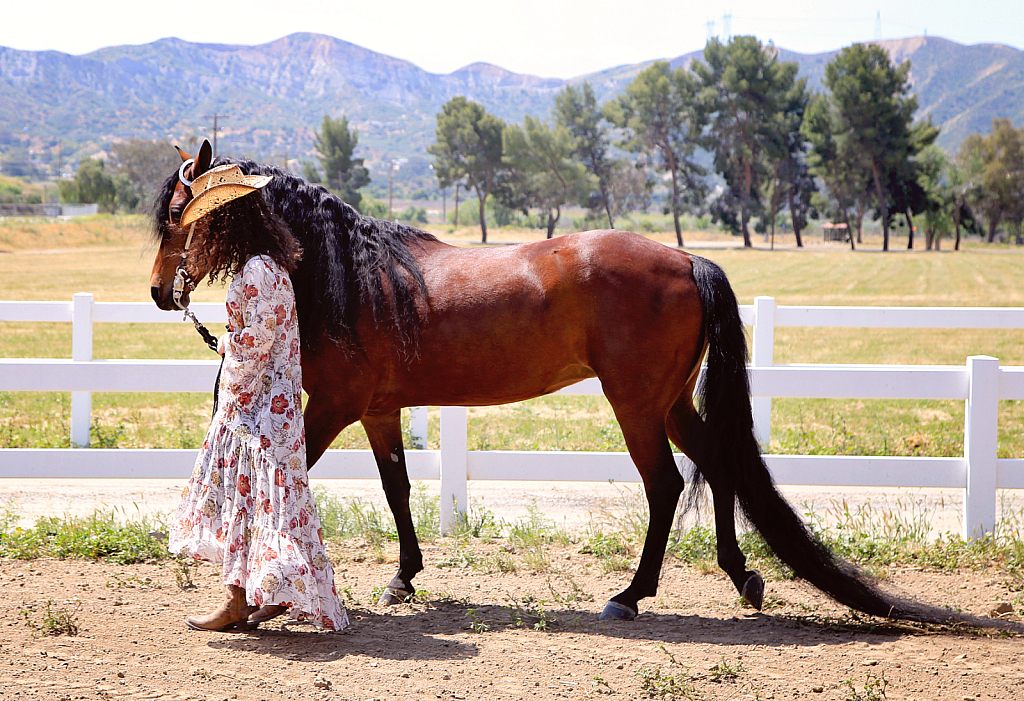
(477, 634)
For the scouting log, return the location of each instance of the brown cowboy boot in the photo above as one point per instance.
(232, 614)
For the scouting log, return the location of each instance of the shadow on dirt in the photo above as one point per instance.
(424, 631)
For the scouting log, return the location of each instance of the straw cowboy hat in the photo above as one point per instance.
(217, 187)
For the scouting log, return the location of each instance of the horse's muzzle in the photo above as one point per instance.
(163, 302)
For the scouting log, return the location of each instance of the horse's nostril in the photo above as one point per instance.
(155, 292)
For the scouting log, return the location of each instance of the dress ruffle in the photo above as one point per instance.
(258, 518)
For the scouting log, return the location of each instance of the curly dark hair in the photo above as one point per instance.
(240, 229)
(352, 264)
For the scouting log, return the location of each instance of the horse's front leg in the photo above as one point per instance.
(385, 434)
(326, 414)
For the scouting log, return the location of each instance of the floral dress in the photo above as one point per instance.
(248, 504)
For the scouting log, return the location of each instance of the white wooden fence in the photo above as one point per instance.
(981, 383)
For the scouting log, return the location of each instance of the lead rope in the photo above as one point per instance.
(183, 282)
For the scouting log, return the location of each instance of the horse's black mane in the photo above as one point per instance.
(348, 260)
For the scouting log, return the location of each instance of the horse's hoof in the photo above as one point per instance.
(392, 596)
(753, 590)
(614, 611)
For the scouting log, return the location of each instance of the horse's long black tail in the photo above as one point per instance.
(735, 455)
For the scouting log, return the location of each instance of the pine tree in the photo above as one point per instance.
(336, 144)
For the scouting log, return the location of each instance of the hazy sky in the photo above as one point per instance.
(550, 38)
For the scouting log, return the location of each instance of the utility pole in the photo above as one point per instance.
(391, 170)
(444, 200)
(393, 165)
(215, 117)
(727, 25)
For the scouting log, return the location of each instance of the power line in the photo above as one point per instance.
(806, 20)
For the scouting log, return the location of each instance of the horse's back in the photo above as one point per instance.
(624, 279)
(575, 257)
(506, 323)
(585, 275)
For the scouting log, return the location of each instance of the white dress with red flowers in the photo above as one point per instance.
(248, 504)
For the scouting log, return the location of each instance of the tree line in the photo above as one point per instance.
(136, 168)
(738, 138)
(741, 138)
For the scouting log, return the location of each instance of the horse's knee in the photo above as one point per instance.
(663, 486)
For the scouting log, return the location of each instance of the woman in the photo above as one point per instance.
(248, 504)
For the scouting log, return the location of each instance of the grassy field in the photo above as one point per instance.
(111, 257)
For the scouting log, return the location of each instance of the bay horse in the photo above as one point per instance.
(392, 317)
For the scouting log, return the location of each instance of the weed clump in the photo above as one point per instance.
(58, 620)
(98, 536)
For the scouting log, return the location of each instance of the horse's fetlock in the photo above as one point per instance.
(732, 562)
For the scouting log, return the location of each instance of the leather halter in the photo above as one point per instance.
(183, 282)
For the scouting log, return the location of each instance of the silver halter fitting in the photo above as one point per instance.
(183, 282)
(181, 172)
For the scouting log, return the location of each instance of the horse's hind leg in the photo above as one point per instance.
(748, 583)
(385, 434)
(687, 429)
(648, 446)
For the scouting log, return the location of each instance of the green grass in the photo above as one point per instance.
(873, 539)
(975, 277)
(875, 536)
(104, 535)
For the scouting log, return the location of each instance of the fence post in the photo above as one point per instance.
(418, 423)
(763, 355)
(981, 437)
(454, 447)
(81, 349)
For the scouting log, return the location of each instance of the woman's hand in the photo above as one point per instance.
(222, 343)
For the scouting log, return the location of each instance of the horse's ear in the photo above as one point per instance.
(203, 160)
(184, 156)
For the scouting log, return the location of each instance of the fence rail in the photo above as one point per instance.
(981, 383)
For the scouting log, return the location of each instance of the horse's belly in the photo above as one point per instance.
(486, 384)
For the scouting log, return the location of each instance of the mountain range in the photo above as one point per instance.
(270, 98)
